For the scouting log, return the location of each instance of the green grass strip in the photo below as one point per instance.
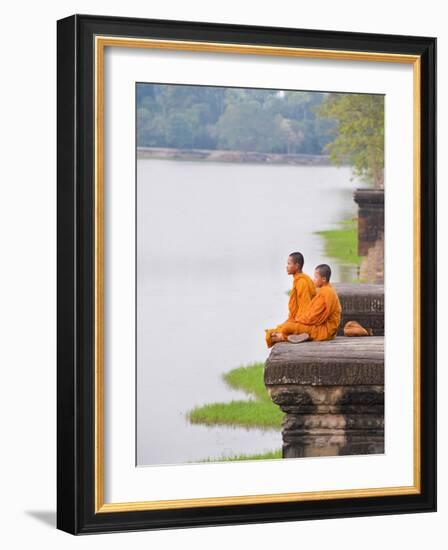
(342, 243)
(263, 456)
(250, 379)
(258, 412)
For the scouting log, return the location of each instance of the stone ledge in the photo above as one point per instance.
(363, 303)
(370, 198)
(342, 362)
(332, 394)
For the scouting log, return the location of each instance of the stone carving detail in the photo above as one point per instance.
(363, 303)
(370, 217)
(334, 403)
(371, 233)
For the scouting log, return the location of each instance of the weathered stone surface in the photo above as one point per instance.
(363, 303)
(306, 399)
(342, 361)
(371, 234)
(332, 394)
(303, 423)
(370, 217)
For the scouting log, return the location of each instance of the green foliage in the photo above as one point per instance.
(249, 379)
(263, 456)
(248, 127)
(259, 412)
(358, 136)
(209, 117)
(342, 243)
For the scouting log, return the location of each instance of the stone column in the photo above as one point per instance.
(370, 218)
(332, 394)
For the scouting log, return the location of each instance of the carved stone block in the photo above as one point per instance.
(332, 394)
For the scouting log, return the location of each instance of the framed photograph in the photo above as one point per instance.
(246, 274)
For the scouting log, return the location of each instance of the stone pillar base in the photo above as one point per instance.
(332, 394)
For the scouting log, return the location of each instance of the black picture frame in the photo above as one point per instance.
(76, 512)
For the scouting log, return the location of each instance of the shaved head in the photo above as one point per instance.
(324, 271)
(297, 258)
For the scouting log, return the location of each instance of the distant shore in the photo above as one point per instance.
(231, 156)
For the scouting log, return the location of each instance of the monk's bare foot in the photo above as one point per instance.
(277, 337)
(298, 338)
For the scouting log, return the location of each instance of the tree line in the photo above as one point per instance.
(348, 127)
(206, 117)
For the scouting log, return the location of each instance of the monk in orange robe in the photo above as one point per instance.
(320, 320)
(302, 292)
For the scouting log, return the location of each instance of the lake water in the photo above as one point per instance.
(212, 245)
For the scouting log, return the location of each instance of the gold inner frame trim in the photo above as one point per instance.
(101, 42)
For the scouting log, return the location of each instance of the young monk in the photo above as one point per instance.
(302, 292)
(320, 320)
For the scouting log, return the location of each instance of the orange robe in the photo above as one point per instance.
(320, 320)
(302, 292)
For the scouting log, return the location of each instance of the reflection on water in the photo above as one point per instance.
(212, 244)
